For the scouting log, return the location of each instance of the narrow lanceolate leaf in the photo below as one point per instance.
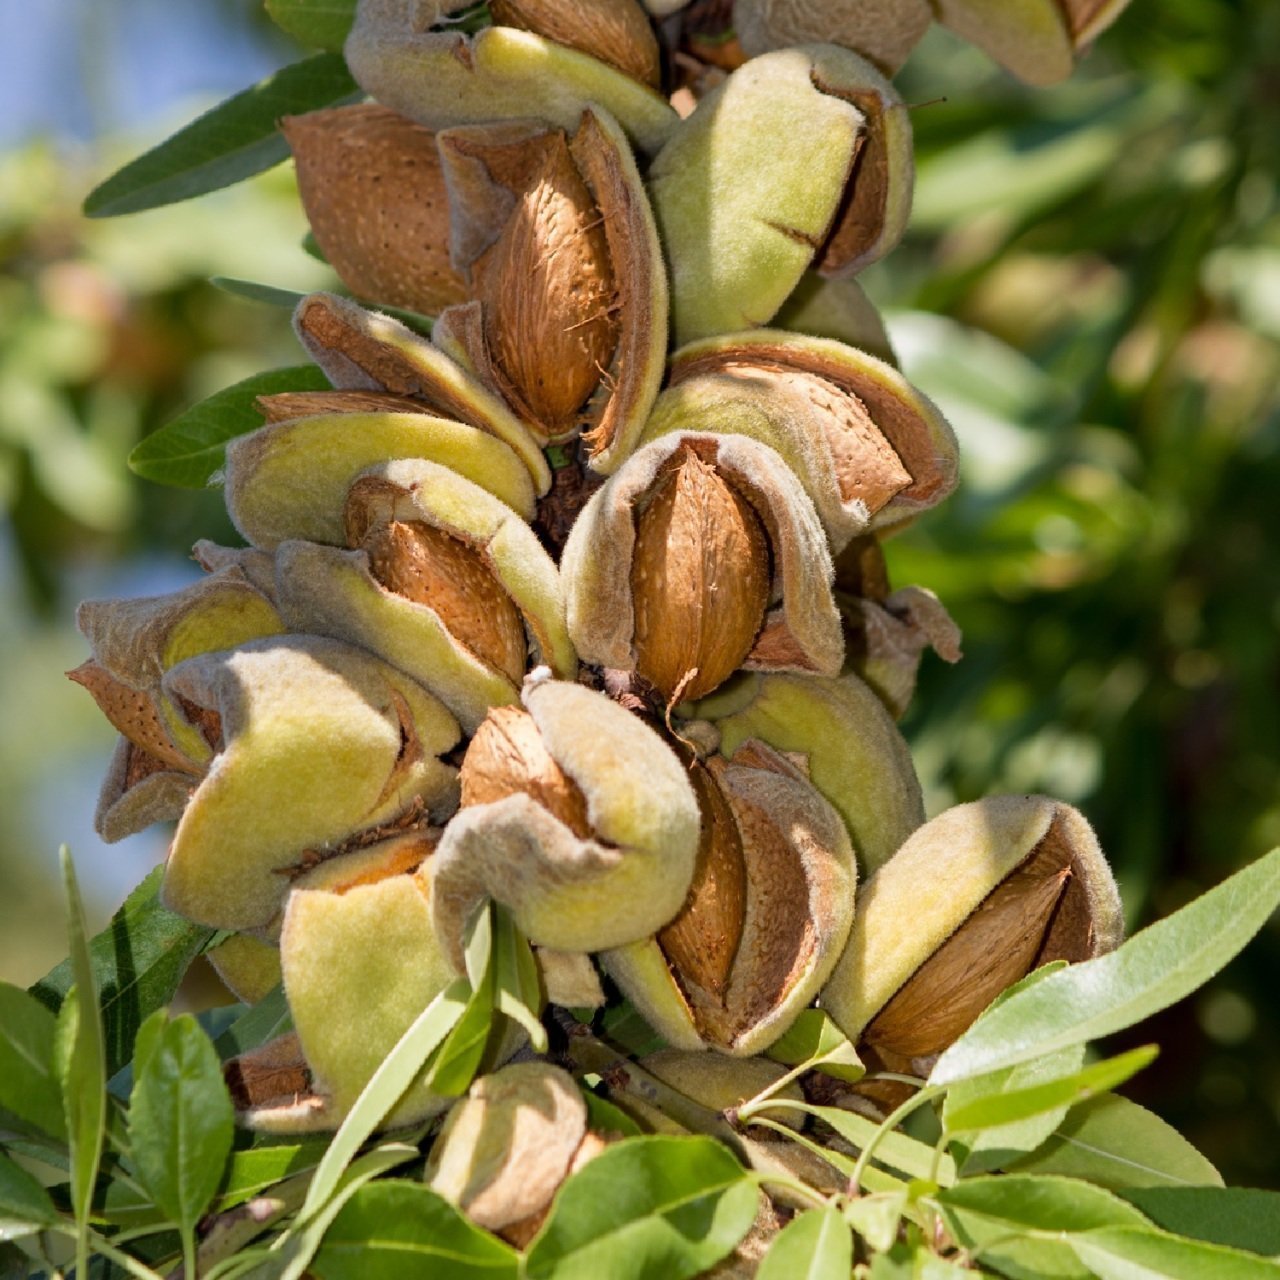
(181, 1121)
(402, 1231)
(515, 975)
(253, 1028)
(321, 24)
(391, 1079)
(138, 961)
(1240, 1217)
(231, 142)
(1037, 1099)
(1151, 971)
(80, 1061)
(897, 1150)
(252, 1172)
(1135, 1253)
(814, 1246)
(1117, 1144)
(994, 1147)
(30, 1100)
(1019, 1226)
(189, 450)
(646, 1207)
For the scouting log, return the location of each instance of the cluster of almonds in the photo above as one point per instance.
(647, 699)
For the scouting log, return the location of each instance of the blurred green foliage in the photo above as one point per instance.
(1091, 290)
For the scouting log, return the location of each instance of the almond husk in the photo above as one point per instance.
(430, 567)
(615, 31)
(305, 404)
(701, 943)
(372, 188)
(508, 756)
(548, 292)
(995, 947)
(699, 580)
(883, 31)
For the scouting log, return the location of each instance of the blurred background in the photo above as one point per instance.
(1090, 289)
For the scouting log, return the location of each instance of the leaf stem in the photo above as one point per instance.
(891, 1122)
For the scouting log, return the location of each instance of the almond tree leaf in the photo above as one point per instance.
(30, 1099)
(1021, 1225)
(604, 1117)
(181, 1121)
(898, 1150)
(814, 1038)
(1240, 1217)
(651, 1208)
(998, 1109)
(138, 961)
(190, 450)
(1117, 1144)
(995, 1147)
(264, 1021)
(517, 989)
(1154, 969)
(817, 1245)
(22, 1198)
(1135, 1253)
(321, 24)
(230, 142)
(80, 1062)
(397, 1230)
(391, 1079)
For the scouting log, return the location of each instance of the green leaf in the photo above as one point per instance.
(604, 1117)
(391, 1079)
(403, 1230)
(189, 451)
(292, 1253)
(138, 961)
(814, 1038)
(1008, 1108)
(181, 1121)
(652, 1208)
(877, 1218)
(257, 1025)
(1146, 1254)
(1117, 1144)
(29, 1093)
(80, 1060)
(252, 1172)
(817, 1245)
(1240, 1217)
(996, 1146)
(22, 1198)
(517, 988)
(623, 1026)
(898, 1150)
(231, 142)
(1016, 1224)
(322, 24)
(455, 1064)
(1154, 969)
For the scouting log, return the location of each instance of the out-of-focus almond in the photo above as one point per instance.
(699, 580)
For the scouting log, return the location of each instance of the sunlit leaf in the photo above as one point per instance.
(644, 1209)
(1138, 1254)
(814, 1038)
(230, 142)
(1156, 967)
(190, 450)
(402, 1231)
(181, 1121)
(816, 1245)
